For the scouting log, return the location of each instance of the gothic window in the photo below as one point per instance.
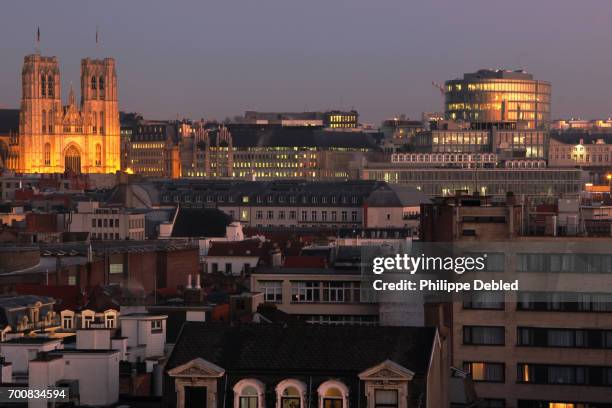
(50, 90)
(94, 117)
(94, 82)
(101, 86)
(44, 121)
(98, 155)
(101, 122)
(43, 86)
(47, 153)
(50, 121)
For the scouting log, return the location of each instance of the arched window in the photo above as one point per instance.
(47, 154)
(43, 85)
(101, 83)
(249, 393)
(101, 123)
(290, 394)
(94, 83)
(94, 122)
(98, 155)
(50, 86)
(44, 121)
(50, 121)
(333, 394)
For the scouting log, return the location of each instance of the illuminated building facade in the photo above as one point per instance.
(55, 138)
(453, 141)
(498, 98)
(269, 152)
(152, 148)
(580, 150)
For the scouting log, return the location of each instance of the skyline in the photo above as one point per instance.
(325, 59)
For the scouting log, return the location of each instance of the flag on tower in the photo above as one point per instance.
(37, 34)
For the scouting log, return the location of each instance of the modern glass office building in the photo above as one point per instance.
(498, 98)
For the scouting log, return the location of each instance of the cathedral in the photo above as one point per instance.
(53, 138)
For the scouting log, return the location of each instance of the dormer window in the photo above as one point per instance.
(87, 320)
(67, 322)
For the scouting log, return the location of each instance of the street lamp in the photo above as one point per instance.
(609, 177)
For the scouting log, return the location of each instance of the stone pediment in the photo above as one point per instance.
(199, 368)
(387, 370)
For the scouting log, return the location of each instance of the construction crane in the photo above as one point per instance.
(437, 85)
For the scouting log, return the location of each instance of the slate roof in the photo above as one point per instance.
(200, 222)
(307, 348)
(395, 195)
(282, 136)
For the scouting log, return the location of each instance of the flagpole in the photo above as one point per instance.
(37, 42)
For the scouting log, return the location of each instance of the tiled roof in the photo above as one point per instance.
(295, 348)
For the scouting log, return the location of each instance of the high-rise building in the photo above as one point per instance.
(498, 99)
(55, 138)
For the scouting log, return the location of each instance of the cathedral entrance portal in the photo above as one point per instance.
(72, 160)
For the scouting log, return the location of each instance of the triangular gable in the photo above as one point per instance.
(388, 370)
(197, 367)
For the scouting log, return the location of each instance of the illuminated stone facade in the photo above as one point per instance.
(55, 138)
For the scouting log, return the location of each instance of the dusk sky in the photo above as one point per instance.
(218, 58)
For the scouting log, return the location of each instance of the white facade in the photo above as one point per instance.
(107, 223)
(146, 335)
(19, 352)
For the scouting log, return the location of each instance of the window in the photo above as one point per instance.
(98, 155)
(67, 322)
(574, 338)
(156, 326)
(87, 320)
(564, 374)
(109, 322)
(290, 398)
(249, 393)
(272, 290)
(485, 372)
(332, 397)
(386, 398)
(305, 291)
(248, 397)
(47, 154)
(484, 335)
(484, 300)
(228, 268)
(115, 268)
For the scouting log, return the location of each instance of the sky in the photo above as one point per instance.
(217, 58)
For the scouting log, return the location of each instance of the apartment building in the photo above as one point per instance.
(549, 344)
(300, 204)
(317, 295)
(105, 223)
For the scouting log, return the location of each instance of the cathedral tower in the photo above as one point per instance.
(79, 139)
(41, 108)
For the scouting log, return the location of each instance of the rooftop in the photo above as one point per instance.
(299, 348)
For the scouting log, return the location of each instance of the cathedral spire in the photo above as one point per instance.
(71, 100)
